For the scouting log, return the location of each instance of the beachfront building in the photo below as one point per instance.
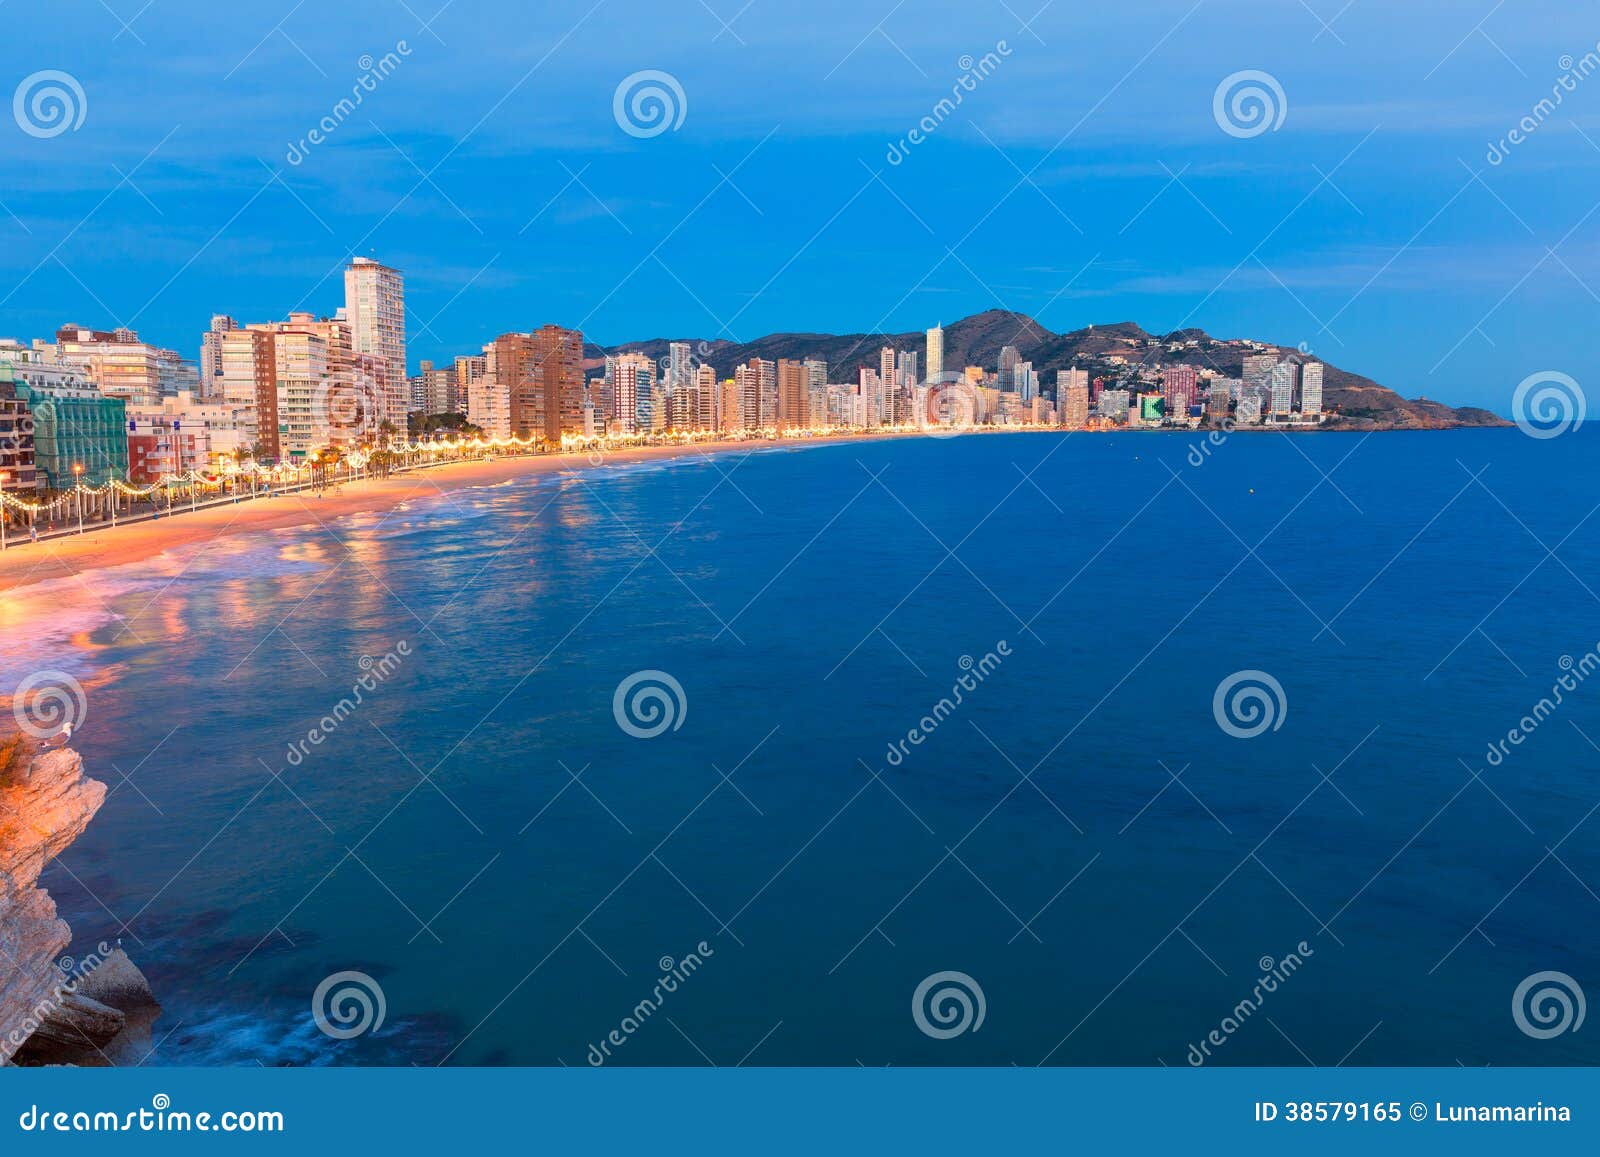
(16, 439)
(489, 393)
(705, 398)
(555, 389)
(539, 377)
(793, 404)
(1114, 406)
(631, 379)
(78, 432)
(247, 383)
(375, 310)
(1281, 383)
(757, 382)
(211, 355)
(469, 368)
(1248, 411)
(1178, 385)
(183, 434)
(1072, 398)
(935, 357)
(122, 366)
(1256, 373)
(1311, 390)
(433, 391)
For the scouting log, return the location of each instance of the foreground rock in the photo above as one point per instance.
(102, 1008)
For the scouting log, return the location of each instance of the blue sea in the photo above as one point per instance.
(671, 758)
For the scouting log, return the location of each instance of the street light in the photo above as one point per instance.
(3, 479)
(77, 477)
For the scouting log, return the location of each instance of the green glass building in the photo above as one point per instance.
(73, 426)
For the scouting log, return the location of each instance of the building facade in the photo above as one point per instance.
(375, 310)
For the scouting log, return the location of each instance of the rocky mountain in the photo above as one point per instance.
(1116, 352)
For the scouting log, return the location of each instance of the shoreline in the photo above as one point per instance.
(105, 547)
(27, 564)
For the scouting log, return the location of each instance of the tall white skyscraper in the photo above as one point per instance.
(1311, 389)
(935, 352)
(375, 308)
(1281, 382)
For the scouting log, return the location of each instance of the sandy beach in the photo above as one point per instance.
(29, 563)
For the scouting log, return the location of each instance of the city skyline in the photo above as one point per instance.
(1082, 179)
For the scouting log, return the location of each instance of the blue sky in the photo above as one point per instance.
(1085, 179)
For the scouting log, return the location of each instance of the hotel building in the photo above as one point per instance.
(375, 309)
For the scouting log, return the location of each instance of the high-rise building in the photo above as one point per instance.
(680, 366)
(635, 407)
(542, 376)
(375, 309)
(510, 360)
(757, 382)
(793, 396)
(1113, 405)
(1248, 411)
(1219, 399)
(1257, 370)
(435, 391)
(1178, 388)
(469, 368)
(1311, 389)
(1067, 379)
(1072, 400)
(1281, 382)
(730, 403)
(211, 355)
(935, 357)
(489, 393)
(249, 384)
(558, 394)
(1027, 382)
(705, 389)
(1008, 367)
(122, 366)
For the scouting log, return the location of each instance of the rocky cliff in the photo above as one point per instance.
(46, 802)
